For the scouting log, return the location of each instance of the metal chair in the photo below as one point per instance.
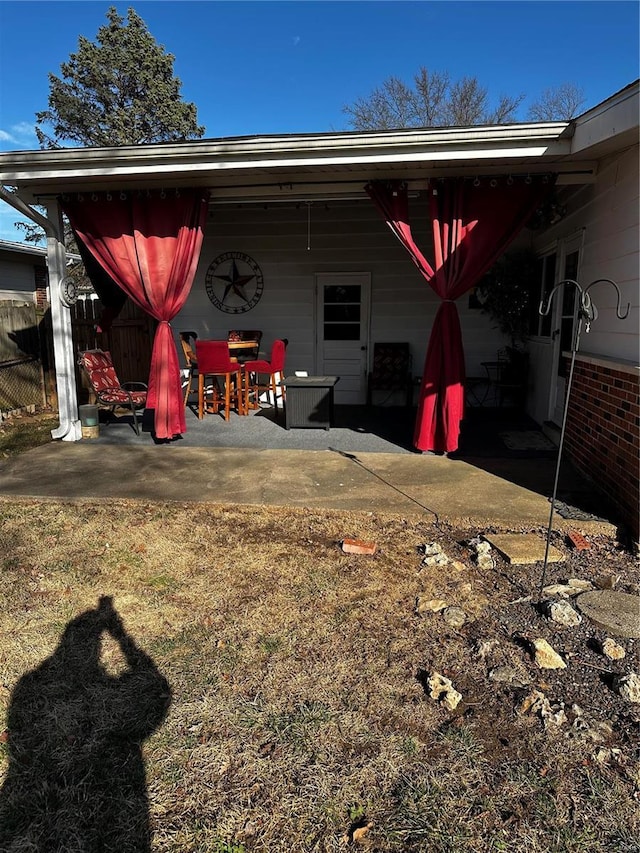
(109, 392)
(214, 360)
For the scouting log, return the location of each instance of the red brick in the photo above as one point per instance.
(578, 541)
(357, 546)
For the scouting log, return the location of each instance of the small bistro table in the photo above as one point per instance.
(309, 401)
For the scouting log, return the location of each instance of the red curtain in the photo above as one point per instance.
(473, 223)
(149, 243)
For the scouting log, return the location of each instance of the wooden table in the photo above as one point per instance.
(243, 350)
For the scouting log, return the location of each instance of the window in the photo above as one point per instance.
(540, 326)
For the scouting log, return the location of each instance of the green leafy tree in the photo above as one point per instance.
(118, 90)
(432, 100)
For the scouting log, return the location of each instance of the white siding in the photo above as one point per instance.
(609, 213)
(17, 281)
(344, 237)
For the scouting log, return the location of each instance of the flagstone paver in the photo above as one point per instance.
(523, 548)
(617, 612)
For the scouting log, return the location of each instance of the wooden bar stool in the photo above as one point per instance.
(214, 360)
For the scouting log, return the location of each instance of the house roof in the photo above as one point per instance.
(22, 248)
(305, 166)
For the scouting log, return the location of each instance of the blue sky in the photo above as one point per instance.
(290, 67)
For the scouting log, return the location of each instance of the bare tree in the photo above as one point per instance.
(432, 100)
(558, 103)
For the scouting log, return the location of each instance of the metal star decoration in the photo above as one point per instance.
(235, 283)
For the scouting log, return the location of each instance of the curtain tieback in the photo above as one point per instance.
(449, 300)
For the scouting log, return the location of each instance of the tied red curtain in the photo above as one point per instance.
(149, 244)
(473, 222)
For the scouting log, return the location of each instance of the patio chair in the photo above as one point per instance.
(261, 368)
(390, 371)
(191, 361)
(109, 392)
(214, 360)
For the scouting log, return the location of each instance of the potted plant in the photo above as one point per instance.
(506, 294)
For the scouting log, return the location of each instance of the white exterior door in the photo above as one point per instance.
(342, 337)
(563, 312)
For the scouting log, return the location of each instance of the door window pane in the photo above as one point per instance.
(338, 293)
(342, 331)
(342, 313)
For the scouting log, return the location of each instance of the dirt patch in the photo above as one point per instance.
(300, 715)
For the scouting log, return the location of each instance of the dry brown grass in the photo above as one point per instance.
(298, 719)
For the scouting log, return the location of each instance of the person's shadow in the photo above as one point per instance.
(76, 778)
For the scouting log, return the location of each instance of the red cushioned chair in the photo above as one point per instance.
(257, 369)
(214, 360)
(109, 392)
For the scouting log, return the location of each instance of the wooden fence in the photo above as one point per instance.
(21, 373)
(27, 367)
(129, 339)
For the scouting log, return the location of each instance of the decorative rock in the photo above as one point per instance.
(482, 554)
(586, 728)
(546, 657)
(612, 650)
(572, 587)
(607, 581)
(443, 690)
(533, 702)
(429, 605)
(454, 616)
(580, 584)
(628, 686)
(537, 703)
(562, 613)
(506, 674)
(433, 554)
(561, 589)
(435, 560)
(484, 647)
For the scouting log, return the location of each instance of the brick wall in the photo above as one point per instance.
(42, 282)
(603, 433)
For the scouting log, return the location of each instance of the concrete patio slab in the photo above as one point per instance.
(429, 487)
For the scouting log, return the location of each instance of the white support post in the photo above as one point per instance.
(69, 429)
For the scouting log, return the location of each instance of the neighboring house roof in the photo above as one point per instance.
(21, 249)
